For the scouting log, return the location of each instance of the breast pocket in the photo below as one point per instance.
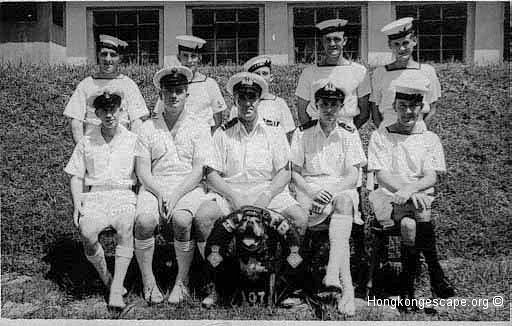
(312, 162)
(97, 160)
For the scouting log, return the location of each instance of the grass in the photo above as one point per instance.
(473, 209)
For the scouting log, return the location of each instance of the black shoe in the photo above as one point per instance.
(443, 289)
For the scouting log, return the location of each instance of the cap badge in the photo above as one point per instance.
(247, 81)
(330, 87)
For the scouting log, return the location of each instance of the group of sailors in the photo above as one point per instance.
(311, 174)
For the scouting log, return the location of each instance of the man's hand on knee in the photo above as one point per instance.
(421, 201)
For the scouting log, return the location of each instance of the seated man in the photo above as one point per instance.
(326, 156)
(252, 162)
(406, 160)
(104, 159)
(171, 151)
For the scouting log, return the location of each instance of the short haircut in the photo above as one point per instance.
(172, 80)
(107, 101)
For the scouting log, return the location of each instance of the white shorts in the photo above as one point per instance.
(305, 200)
(279, 203)
(103, 207)
(147, 203)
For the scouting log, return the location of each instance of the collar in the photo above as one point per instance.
(416, 130)
(318, 130)
(96, 135)
(260, 125)
(389, 68)
(342, 61)
(198, 78)
(96, 75)
(181, 118)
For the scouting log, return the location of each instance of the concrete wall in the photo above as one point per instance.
(276, 32)
(488, 42)
(32, 52)
(174, 24)
(379, 14)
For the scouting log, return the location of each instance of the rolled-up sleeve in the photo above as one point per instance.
(364, 88)
(142, 146)
(434, 159)
(378, 157)
(76, 107)
(76, 165)
(303, 89)
(280, 149)
(136, 105)
(217, 100)
(297, 148)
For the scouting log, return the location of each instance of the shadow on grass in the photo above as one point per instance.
(75, 275)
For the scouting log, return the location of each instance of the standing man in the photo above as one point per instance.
(406, 159)
(401, 41)
(326, 158)
(172, 149)
(272, 109)
(252, 166)
(205, 100)
(104, 160)
(133, 107)
(354, 79)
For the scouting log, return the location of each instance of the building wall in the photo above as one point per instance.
(488, 42)
(26, 41)
(39, 41)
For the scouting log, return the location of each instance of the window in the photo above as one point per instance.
(138, 28)
(58, 13)
(440, 29)
(308, 43)
(19, 11)
(507, 43)
(231, 35)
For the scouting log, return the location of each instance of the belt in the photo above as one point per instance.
(110, 187)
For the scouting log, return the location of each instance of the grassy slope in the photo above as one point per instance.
(473, 121)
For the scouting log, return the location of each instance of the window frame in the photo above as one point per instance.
(363, 25)
(261, 26)
(93, 41)
(419, 5)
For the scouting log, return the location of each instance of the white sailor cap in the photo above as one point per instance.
(257, 62)
(110, 42)
(328, 88)
(247, 79)
(332, 26)
(107, 96)
(173, 70)
(410, 89)
(189, 43)
(398, 28)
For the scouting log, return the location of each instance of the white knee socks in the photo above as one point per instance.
(99, 262)
(184, 255)
(144, 250)
(339, 253)
(123, 258)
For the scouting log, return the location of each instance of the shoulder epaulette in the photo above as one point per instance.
(229, 124)
(271, 123)
(308, 125)
(346, 126)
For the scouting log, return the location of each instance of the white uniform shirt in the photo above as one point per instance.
(174, 152)
(204, 100)
(353, 77)
(321, 156)
(273, 111)
(405, 156)
(104, 164)
(133, 105)
(384, 97)
(250, 159)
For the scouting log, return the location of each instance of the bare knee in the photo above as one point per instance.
(408, 231)
(343, 205)
(124, 234)
(145, 225)
(182, 224)
(299, 218)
